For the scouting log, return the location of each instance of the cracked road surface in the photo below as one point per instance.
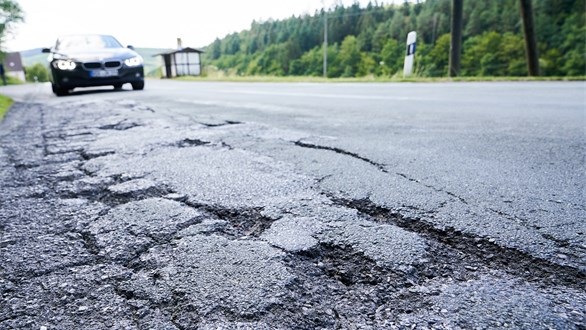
(294, 206)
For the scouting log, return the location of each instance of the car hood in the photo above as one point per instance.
(100, 54)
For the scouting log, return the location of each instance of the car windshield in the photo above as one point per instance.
(85, 42)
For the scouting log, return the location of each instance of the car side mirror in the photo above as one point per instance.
(46, 50)
(130, 47)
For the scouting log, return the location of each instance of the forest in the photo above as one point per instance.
(370, 41)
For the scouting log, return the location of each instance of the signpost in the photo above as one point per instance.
(410, 55)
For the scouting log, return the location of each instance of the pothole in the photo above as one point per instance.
(185, 143)
(243, 222)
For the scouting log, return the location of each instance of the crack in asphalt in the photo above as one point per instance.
(379, 166)
(122, 125)
(88, 156)
(335, 285)
(449, 193)
(225, 123)
(382, 168)
(59, 134)
(514, 262)
(191, 143)
(64, 152)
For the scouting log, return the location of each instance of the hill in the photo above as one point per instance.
(371, 40)
(32, 56)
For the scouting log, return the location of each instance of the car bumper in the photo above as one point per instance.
(82, 78)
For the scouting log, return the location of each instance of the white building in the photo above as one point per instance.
(13, 66)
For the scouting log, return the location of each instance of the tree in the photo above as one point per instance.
(439, 56)
(573, 44)
(350, 56)
(398, 27)
(37, 73)
(381, 35)
(10, 14)
(310, 63)
(366, 66)
(216, 51)
(491, 32)
(511, 55)
(231, 44)
(494, 54)
(392, 56)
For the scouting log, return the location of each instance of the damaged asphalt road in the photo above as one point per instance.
(118, 214)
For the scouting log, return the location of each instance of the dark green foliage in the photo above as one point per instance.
(216, 49)
(37, 73)
(494, 54)
(310, 63)
(392, 57)
(371, 40)
(439, 56)
(350, 56)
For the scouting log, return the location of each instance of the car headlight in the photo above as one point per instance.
(134, 61)
(66, 65)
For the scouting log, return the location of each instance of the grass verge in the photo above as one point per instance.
(368, 79)
(5, 103)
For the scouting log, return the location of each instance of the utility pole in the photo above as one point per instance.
(325, 42)
(456, 39)
(530, 39)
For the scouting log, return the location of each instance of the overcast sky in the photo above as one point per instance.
(145, 23)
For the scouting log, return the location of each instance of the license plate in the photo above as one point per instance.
(104, 73)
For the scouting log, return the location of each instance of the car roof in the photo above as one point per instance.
(85, 35)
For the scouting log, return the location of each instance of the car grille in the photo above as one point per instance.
(100, 65)
(92, 65)
(113, 64)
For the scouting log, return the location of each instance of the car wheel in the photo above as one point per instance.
(59, 91)
(118, 86)
(137, 86)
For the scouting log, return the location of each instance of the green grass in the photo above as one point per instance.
(5, 103)
(372, 79)
(13, 81)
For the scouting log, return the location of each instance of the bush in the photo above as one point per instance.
(37, 73)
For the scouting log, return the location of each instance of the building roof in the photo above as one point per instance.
(182, 50)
